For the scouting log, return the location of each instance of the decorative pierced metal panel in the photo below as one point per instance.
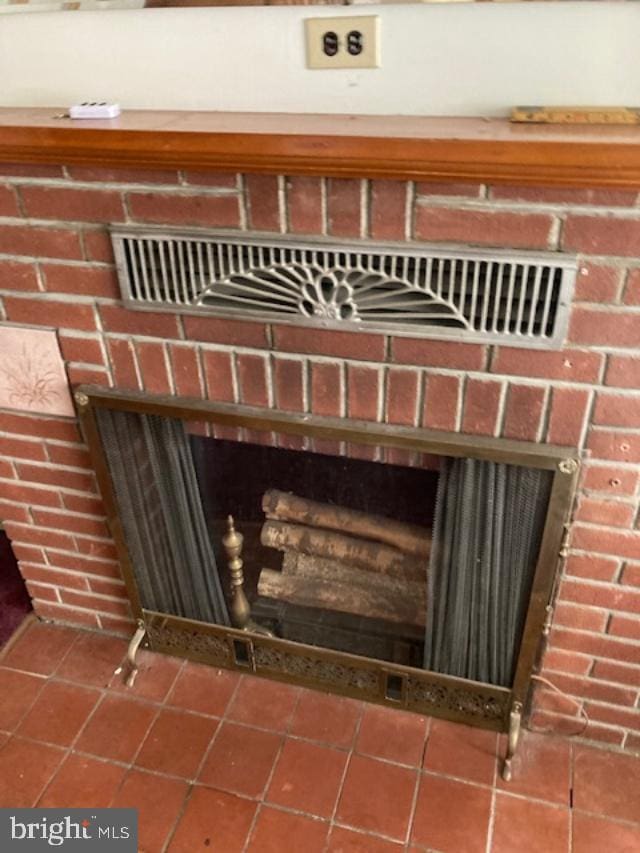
(522, 299)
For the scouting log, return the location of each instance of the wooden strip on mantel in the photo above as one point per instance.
(402, 147)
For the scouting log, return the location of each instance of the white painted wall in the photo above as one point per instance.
(440, 60)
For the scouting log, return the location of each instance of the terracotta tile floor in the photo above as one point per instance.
(220, 762)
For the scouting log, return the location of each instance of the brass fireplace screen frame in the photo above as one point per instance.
(422, 691)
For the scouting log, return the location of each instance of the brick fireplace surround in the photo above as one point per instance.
(56, 271)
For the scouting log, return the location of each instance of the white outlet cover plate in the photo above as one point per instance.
(368, 25)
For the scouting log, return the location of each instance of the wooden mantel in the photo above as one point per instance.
(436, 149)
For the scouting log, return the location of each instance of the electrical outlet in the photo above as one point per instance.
(343, 42)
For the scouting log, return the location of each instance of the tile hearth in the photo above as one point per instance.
(218, 761)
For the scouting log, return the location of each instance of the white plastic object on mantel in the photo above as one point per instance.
(94, 109)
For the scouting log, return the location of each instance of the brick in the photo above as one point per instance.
(631, 575)
(447, 354)
(604, 328)
(623, 371)
(47, 312)
(83, 504)
(122, 176)
(570, 365)
(556, 660)
(78, 563)
(84, 280)
(437, 188)
(617, 410)
(79, 480)
(566, 195)
(186, 373)
(592, 567)
(39, 242)
(7, 470)
(224, 180)
(387, 214)
(614, 444)
(608, 513)
(123, 364)
(95, 602)
(326, 389)
(483, 227)
(588, 688)
(27, 552)
(597, 283)
(610, 479)
(632, 288)
(97, 246)
(613, 716)
(252, 377)
(402, 396)
(216, 211)
(441, 401)
(344, 207)
(601, 235)
(8, 201)
(263, 204)
(117, 625)
(580, 618)
(304, 205)
(523, 414)
(98, 548)
(601, 540)
(145, 323)
(73, 456)
(45, 574)
(72, 204)
(216, 330)
(288, 384)
(611, 597)
(364, 388)
(617, 672)
(12, 512)
(67, 615)
(87, 376)
(22, 448)
(218, 376)
(153, 367)
(29, 535)
(22, 493)
(81, 349)
(481, 407)
(81, 524)
(18, 275)
(569, 407)
(623, 626)
(362, 346)
(112, 588)
(30, 170)
(38, 592)
(598, 645)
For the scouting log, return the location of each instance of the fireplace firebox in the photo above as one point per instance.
(401, 566)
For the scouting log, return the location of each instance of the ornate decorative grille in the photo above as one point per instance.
(415, 290)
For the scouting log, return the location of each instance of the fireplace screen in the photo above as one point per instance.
(393, 564)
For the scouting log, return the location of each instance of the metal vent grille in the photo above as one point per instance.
(421, 291)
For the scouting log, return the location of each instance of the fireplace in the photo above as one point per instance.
(401, 566)
(61, 297)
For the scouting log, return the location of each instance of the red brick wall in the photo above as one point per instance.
(56, 270)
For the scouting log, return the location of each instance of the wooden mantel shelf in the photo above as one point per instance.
(436, 149)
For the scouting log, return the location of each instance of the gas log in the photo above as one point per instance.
(408, 538)
(344, 560)
(359, 553)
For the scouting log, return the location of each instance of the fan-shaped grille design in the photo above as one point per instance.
(417, 290)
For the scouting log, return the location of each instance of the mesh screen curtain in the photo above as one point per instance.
(155, 484)
(486, 536)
